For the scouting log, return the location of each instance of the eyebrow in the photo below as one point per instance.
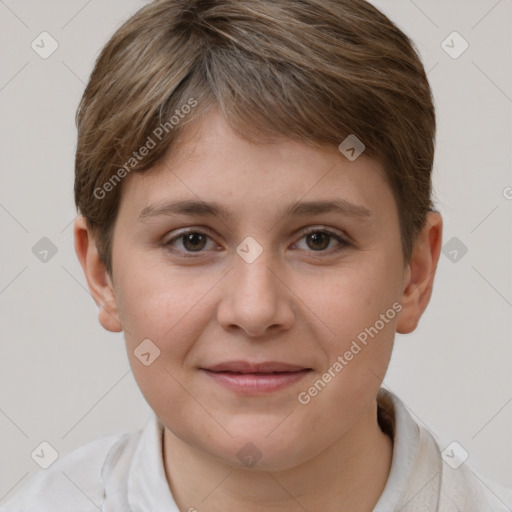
(200, 208)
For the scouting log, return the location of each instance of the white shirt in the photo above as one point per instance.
(125, 473)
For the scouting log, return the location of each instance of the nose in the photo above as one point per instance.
(256, 298)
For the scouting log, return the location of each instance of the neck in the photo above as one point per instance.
(349, 475)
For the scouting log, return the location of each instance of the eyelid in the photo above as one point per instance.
(194, 229)
(323, 229)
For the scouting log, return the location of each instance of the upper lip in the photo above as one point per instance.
(248, 367)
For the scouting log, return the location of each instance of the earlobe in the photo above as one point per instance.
(420, 273)
(98, 280)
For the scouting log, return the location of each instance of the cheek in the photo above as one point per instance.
(172, 319)
(352, 297)
(358, 306)
(171, 310)
(155, 299)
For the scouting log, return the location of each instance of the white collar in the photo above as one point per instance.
(142, 485)
(147, 483)
(414, 481)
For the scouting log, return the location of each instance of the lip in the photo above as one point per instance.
(248, 367)
(255, 378)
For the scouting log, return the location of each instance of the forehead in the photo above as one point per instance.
(212, 163)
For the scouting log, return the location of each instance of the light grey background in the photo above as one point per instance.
(65, 380)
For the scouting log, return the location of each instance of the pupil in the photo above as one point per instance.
(191, 240)
(319, 237)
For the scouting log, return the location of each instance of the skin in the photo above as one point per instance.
(299, 302)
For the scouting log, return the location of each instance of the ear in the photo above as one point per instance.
(420, 273)
(98, 280)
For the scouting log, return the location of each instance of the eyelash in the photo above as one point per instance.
(343, 244)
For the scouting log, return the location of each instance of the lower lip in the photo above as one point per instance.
(251, 383)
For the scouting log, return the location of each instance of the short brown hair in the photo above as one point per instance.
(312, 70)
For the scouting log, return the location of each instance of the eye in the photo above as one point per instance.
(189, 242)
(318, 240)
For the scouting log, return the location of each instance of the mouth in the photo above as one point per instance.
(255, 378)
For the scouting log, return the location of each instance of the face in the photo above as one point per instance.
(273, 283)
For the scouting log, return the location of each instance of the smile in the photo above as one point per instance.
(255, 378)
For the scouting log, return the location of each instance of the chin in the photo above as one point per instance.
(259, 452)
